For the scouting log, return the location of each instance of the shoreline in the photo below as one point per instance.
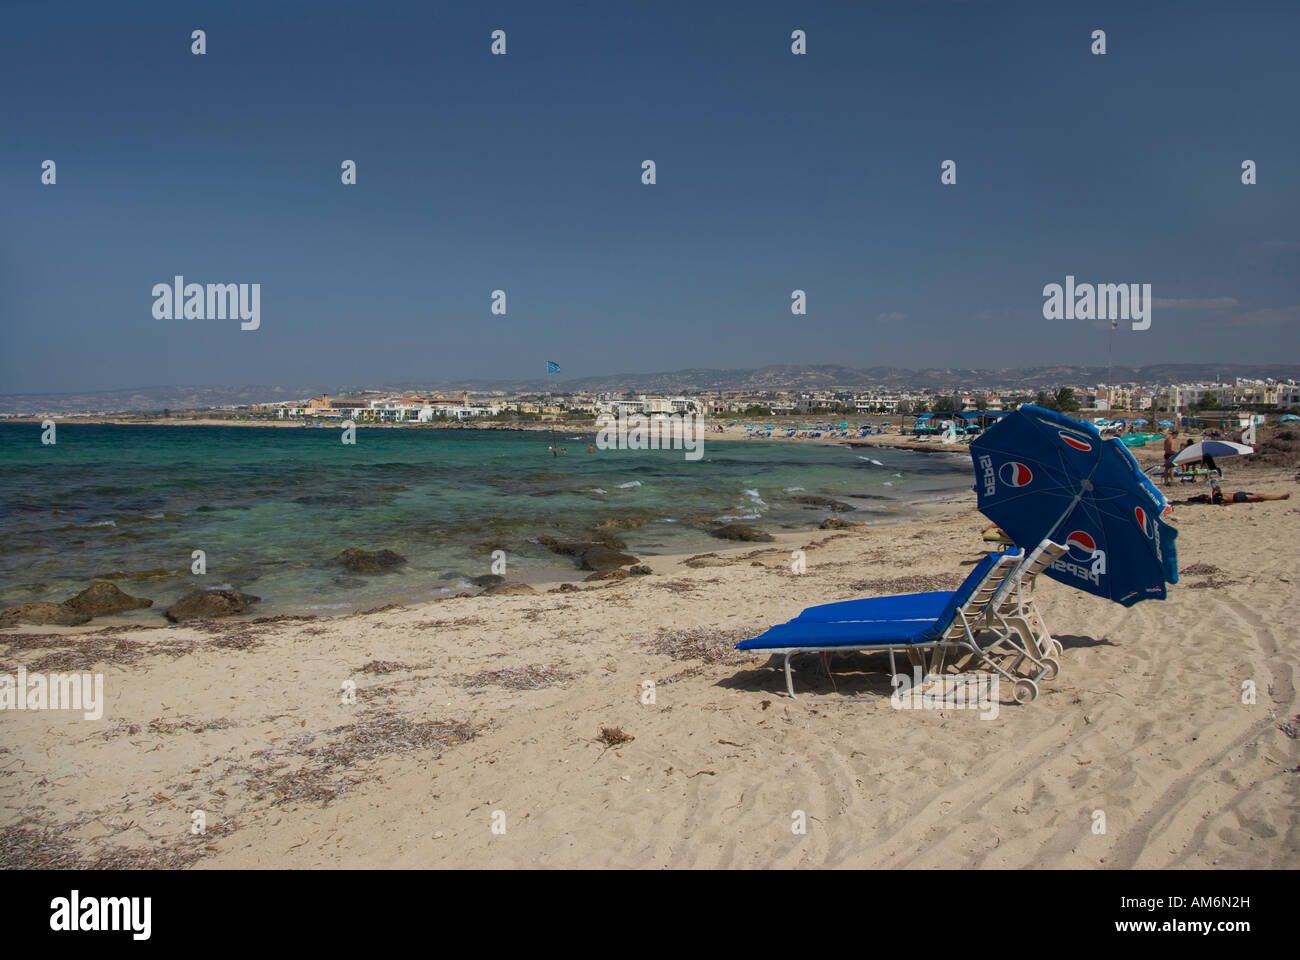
(469, 706)
(553, 578)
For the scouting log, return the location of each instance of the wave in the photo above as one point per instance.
(629, 484)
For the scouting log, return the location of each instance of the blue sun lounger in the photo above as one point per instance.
(940, 622)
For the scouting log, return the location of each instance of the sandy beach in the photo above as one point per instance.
(475, 735)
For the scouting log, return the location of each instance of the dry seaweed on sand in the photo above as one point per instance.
(613, 737)
(1212, 582)
(1199, 570)
(374, 736)
(69, 653)
(707, 560)
(519, 678)
(676, 586)
(911, 583)
(706, 644)
(385, 733)
(42, 846)
(381, 667)
(159, 725)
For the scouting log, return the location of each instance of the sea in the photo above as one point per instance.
(271, 507)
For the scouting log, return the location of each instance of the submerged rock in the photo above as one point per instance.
(508, 589)
(590, 555)
(56, 614)
(740, 531)
(615, 574)
(835, 523)
(487, 580)
(101, 598)
(814, 501)
(369, 561)
(204, 604)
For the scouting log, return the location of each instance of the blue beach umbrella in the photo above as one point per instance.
(1289, 418)
(1039, 474)
(1165, 423)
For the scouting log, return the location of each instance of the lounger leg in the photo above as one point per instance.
(789, 681)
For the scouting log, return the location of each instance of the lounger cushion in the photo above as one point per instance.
(912, 618)
(854, 633)
(915, 606)
(907, 606)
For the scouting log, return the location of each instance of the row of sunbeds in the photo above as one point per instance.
(989, 621)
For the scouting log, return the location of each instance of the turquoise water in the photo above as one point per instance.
(271, 506)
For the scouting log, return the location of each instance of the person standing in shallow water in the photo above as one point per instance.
(591, 448)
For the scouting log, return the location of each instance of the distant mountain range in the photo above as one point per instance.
(770, 378)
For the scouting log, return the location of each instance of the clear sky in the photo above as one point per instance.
(523, 173)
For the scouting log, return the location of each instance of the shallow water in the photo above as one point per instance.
(271, 506)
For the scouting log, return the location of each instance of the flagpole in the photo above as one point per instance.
(1110, 352)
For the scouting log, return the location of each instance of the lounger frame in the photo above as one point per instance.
(1001, 607)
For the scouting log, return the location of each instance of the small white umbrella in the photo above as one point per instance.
(1212, 448)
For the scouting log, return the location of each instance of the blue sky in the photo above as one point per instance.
(523, 173)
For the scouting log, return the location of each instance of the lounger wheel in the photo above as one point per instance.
(1026, 691)
(1051, 667)
(1057, 649)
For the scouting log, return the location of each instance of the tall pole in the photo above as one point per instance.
(1110, 351)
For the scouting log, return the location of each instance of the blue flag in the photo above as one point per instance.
(552, 366)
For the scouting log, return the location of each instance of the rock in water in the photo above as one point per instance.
(835, 523)
(811, 501)
(203, 604)
(369, 561)
(44, 613)
(613, 574)
(102, 598)
(487, 580)
(590, 555)
(740, 531)
(507, 589)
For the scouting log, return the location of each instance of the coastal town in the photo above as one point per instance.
(1245, 395)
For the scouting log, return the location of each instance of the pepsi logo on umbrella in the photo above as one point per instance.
(1082, 546)
(1145, 521)
(1015, 474)
(1075, 442)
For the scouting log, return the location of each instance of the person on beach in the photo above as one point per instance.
(1221, 497)
(591, 448)
(1169, 456)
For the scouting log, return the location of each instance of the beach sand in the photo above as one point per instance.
(478, 711)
